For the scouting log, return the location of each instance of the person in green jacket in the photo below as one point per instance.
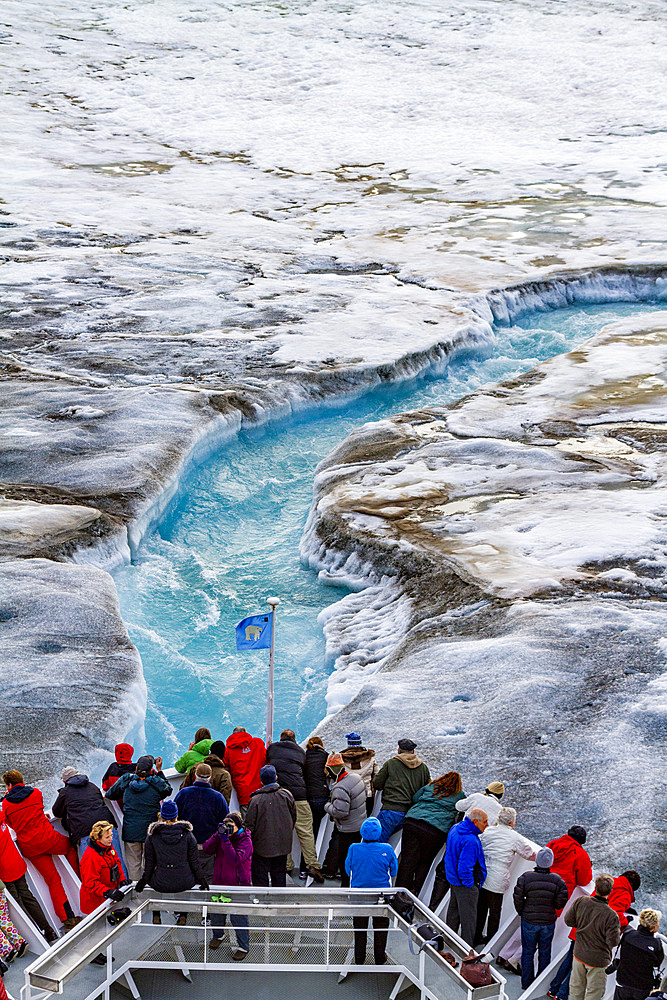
(426, 826)
(197, 752)
(398, 779)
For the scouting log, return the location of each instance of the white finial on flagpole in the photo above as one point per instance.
(273, 602)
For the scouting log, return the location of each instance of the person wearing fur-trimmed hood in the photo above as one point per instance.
(171, 856)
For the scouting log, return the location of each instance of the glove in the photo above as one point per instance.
(205, 886)
(140, 886)
(631, 910)
(123, 883)
(114, 894)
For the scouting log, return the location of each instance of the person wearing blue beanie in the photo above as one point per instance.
(371, 865)
(168, 809)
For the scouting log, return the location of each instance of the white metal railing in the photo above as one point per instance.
(303, 930)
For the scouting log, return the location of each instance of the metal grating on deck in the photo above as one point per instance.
(158, 984)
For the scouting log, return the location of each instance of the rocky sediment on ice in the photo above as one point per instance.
(520, 535)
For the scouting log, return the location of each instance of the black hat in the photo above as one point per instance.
(577, 833)
(407, 746)
(145, 764)
(218, 748)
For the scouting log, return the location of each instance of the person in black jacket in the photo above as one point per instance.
(537, 897)
(289, 760)
(641, 955)
(317, 787)
(171, 857)
(79, 805)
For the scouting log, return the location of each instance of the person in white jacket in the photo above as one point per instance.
(500, 843)
(488, 800)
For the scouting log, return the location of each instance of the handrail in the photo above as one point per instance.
(270, 908)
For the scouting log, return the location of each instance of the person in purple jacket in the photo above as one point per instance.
(231, 846)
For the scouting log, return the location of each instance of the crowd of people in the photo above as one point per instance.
(173, 844)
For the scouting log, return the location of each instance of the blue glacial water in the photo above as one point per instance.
(231, 538)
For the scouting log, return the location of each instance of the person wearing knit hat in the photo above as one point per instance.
(488, 800)
(270, 819)
(169, 809)
(347, 808)
(172, 862)
(78, 806)
(361, 760)
(204, 808)
(539, 896)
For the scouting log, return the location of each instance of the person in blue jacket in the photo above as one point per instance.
(466, 871)
(205, 809)
(371, 865)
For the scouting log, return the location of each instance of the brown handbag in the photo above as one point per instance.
(475, 971)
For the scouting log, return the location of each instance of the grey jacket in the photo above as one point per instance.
(270, 819)
(347, 804)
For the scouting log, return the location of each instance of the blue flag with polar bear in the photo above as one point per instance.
(254, 632)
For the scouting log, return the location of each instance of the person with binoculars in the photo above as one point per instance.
(231, 846)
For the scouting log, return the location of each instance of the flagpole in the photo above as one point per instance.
(273, 602)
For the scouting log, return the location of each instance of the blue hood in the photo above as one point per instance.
(371, 829)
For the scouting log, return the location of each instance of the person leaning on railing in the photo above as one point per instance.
(501, 845)
(23, 808)
(12, 873)
(427, 825)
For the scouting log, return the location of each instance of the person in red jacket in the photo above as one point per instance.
(12, 873)
(101, 869)
(245, 756)
(571, 861)
(23, 809)
(122, 764)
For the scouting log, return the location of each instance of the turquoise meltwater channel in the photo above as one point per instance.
(231, 538)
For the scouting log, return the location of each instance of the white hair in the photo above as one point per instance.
(507, 816)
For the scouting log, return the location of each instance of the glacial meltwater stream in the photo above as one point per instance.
(231, 538)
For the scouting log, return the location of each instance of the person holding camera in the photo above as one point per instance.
(231, 846)
(102, 872)
(641, 956)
